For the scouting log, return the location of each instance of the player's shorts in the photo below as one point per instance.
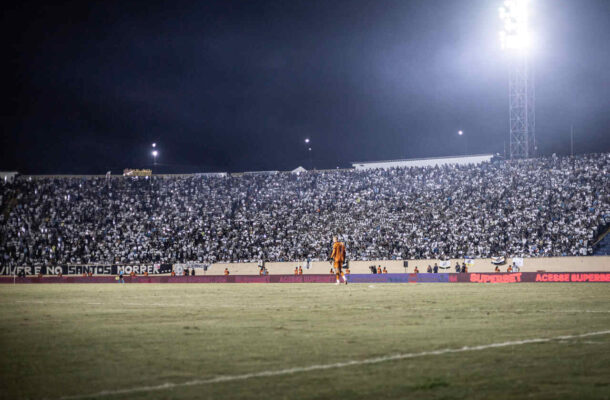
(338, 266)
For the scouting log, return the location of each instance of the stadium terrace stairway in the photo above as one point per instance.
(603, 247)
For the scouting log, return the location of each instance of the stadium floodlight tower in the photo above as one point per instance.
(516, 40)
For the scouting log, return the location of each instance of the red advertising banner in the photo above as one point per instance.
(535, 277)
(496, 278)
(574, 277)
(566, 277)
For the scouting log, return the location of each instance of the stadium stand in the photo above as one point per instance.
(551, 206)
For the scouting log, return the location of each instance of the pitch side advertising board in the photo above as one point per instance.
(151, 269)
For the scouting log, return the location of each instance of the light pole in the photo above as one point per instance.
(154, 153)
(515, 39)
(461, 133)
(310, 162)
(572, 140)
(309, 153)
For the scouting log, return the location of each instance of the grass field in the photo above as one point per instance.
(221, 341)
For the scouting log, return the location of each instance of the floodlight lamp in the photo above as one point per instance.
(460, 133)
(515, 35)
(154, 144)
(155, 153)
(306, 140)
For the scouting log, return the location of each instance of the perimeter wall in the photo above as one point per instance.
(549, 264)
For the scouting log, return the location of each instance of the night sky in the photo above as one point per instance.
(234, 86)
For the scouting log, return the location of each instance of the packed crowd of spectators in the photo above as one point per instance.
(550, 206)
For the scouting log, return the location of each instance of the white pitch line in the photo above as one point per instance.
(319, 367)
(547, 311)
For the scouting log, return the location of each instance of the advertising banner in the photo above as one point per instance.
(151, 269)
(543, 277)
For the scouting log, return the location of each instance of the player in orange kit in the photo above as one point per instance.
(338, 257)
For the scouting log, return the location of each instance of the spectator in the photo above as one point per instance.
(549, 206)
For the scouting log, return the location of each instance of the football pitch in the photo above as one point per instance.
(305, 341)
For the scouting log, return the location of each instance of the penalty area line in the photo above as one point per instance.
(320, 367)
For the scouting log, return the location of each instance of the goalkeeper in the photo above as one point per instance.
(337, 258)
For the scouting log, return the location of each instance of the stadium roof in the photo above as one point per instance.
(424, 162)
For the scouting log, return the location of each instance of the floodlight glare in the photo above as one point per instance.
(515, 35)
(154, 145)
(155, 153)
(306, 140)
